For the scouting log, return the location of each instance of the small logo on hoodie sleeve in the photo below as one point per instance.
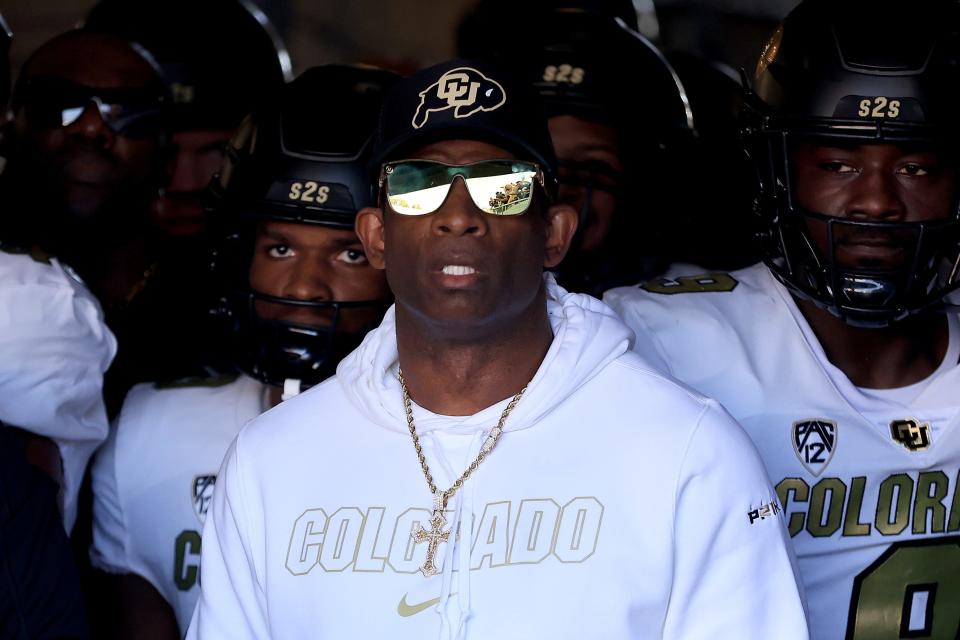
(769, 510)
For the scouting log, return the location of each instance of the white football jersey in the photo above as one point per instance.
(55, 349)
(868, 479)
(154, 477)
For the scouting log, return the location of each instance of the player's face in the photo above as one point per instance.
(872, 183)
(86, 165)
(195, 155)
(589, 155)
(461, 267)
(314, 263)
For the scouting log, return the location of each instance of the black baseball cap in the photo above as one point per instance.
(465, 99)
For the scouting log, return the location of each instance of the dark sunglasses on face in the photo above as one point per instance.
(50, 103)
(497, 187)
(598, 176)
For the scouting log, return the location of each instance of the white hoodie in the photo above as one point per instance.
(617, 504)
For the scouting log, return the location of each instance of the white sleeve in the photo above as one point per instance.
(56, 348)
(627, 304)
(734, 571)
(232, 600)
(109, 549)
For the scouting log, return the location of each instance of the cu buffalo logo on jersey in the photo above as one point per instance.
(814, 442)
(912, 434)
(465, 90)
(202, 494)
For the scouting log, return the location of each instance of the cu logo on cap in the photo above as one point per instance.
(465, 90)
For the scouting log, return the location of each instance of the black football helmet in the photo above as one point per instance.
(219, 58)
(856, 72)
(312, 141)
(625, 84)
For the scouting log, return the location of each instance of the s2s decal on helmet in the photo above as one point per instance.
(465, 90)
(879, 107)
(309, 191)
(563, 74)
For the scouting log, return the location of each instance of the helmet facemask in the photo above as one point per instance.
(275, 339)
(275, 350)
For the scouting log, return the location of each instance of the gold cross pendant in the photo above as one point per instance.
(433, 538)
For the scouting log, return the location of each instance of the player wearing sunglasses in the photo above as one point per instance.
(88, 142)
(490, 462)
(50, 102)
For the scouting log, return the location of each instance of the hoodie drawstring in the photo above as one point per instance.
(458, 550)
(466, 545)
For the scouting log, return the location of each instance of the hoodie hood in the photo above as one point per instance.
(587, 335)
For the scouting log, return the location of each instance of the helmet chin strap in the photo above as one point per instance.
(585, 208)
(582, 217)
(291, 387)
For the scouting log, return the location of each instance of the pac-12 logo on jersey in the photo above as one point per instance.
(814, 442)
(912, 434)
(465, 90)
(202, 494)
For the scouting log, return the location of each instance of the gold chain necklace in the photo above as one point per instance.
(436, 535)
(137, 288)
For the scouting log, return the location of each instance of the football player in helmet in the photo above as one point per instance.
(839, 354)
(298, 294)
(617, 114)
(211, 93)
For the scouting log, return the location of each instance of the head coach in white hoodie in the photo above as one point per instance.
(491, 462)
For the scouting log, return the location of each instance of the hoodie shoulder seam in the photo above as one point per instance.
(649, 372)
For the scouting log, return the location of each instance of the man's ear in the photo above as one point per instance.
(561, 225)
(369, 228)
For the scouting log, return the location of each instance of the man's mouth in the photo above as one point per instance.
(871, 253)
(458, 270)
(89, 170)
